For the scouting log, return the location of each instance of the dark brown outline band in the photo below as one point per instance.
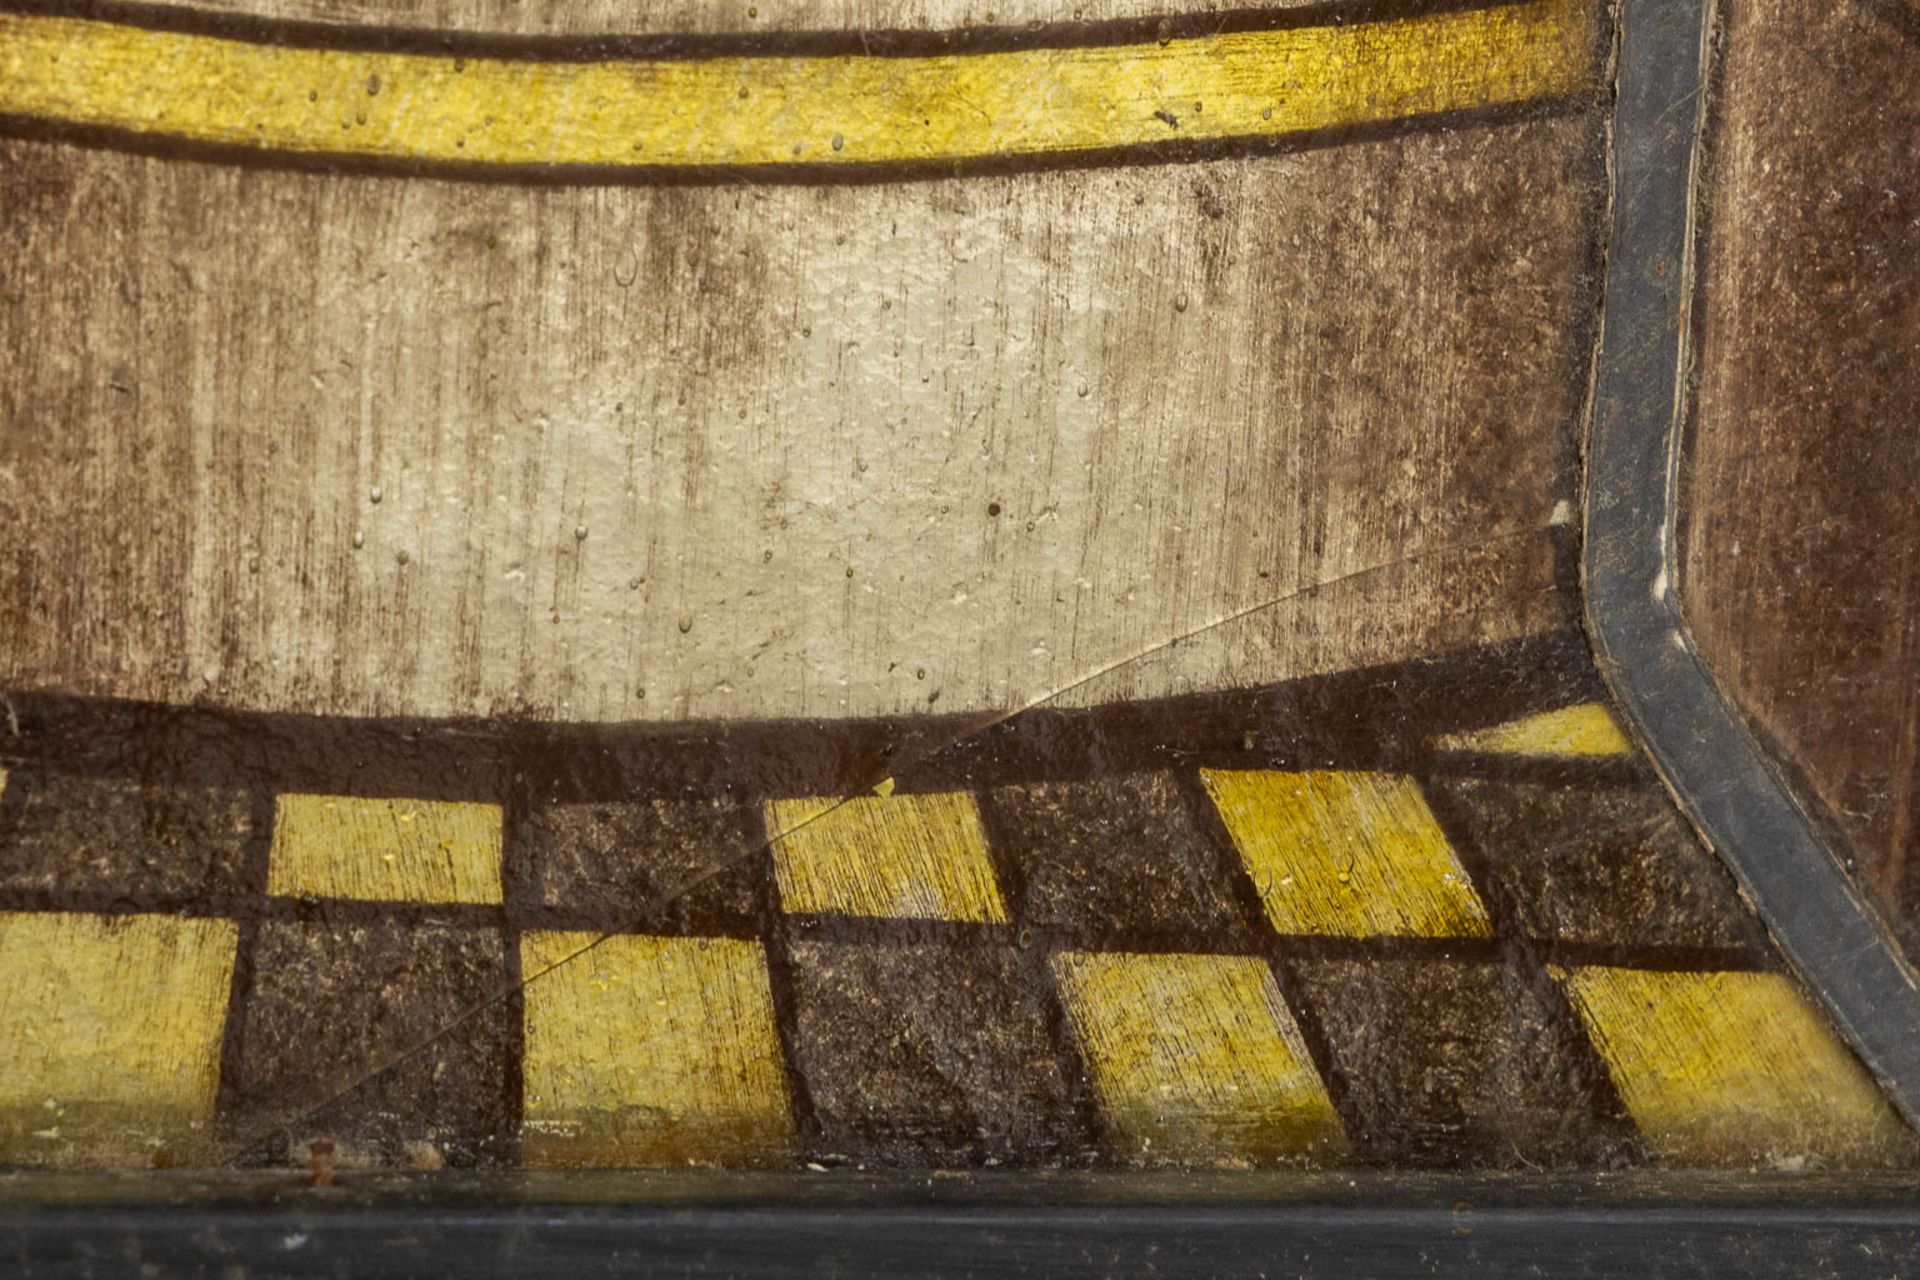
(1380, 716)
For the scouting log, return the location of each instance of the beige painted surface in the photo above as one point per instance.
(373, 446)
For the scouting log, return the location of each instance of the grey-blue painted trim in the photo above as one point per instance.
(1708, 755)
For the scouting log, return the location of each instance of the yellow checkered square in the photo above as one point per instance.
(384, 849)
(1732, 1068)
(1585, 730)
(1347, 854)
(1195, 1057)
(651, 1051)
(110, 1033)
(914, 856)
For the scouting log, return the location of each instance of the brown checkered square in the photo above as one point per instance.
(1603, 864)
(928, 1053)
(1446, 1061)
(1112, 858)
(673, 864)
(73, 833)
(331, 1041)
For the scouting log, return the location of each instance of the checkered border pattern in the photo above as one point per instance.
(1383, 721)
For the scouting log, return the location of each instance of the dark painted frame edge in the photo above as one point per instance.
(1710, 759)
(1202, 1224)
(1372, 1240)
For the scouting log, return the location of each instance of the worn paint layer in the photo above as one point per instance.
(828, 460)
(328, 1041)
(1800, 539)
(820, 396)
(1132, 1002)
(1449, 1062)
(1592, 866)
(125, 836)
(1112, 857)
(667, 864)
(926, 1051)
(807, 110)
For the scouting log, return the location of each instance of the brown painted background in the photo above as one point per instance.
(1803, 537)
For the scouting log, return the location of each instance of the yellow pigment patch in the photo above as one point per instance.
(1349, 854)
(791, 110)
(651, 1051)
(385, 850)
(1732, 1068)
(110, 1037)
(1586, 730)
(916, 856)
(1196, 1057)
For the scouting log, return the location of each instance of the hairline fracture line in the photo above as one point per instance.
(985, 722)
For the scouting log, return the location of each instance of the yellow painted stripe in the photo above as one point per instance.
(775, 110)
(908, 856)
(110, 1037)
(384, 850)
(1733, 1068)
(1585, 730)
(650, 1051)
(1346, 854)
(1196, 1057)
